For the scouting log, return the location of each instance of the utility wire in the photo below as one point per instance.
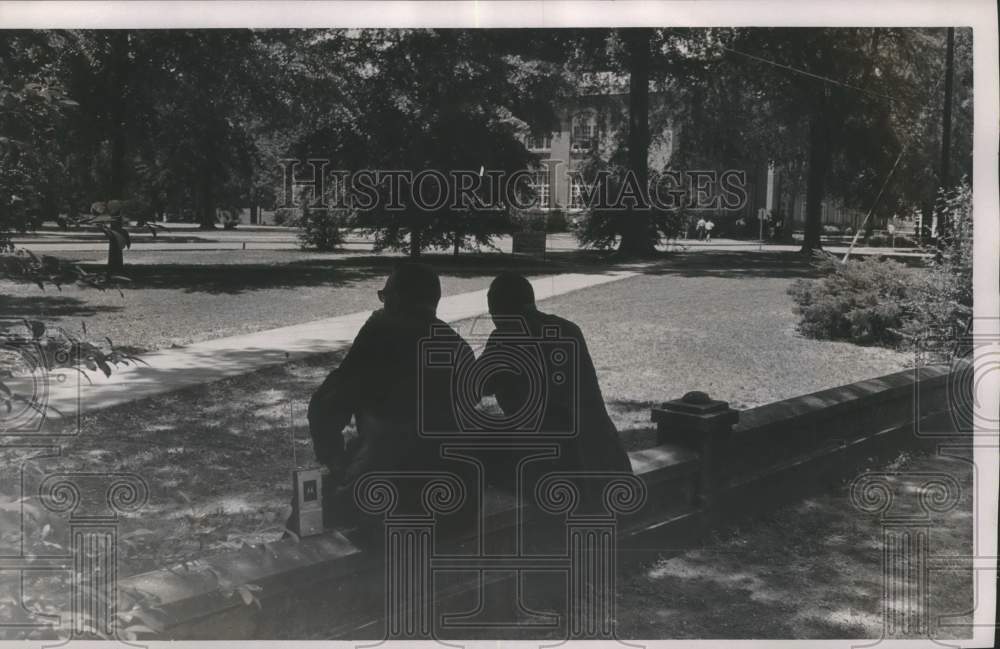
(811, 74)
(818, 77)
(857, 234)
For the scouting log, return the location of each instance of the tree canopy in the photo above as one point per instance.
(188, 122)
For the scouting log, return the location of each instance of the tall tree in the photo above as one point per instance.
(34, 108)
(855, 98)
(661, 61)
(469, 110)
(637, 237)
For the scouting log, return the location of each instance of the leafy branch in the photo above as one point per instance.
(38, 347)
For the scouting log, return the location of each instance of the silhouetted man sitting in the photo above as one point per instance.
(379, 383)
(566, 398)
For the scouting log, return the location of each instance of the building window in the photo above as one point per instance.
(584, 132)
(540, 185)
(542, 142)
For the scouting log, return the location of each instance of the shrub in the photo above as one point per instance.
(941, 305)
(528, 221)
(230, 219)
(321, 229)
(602, 228)
(831, 229)
(877, 301)
(864, 300)
(137, 209)
(286, 216)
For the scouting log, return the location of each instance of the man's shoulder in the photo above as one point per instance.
(377, 323)
(440, 329)
(381, 322)
(566, 328)
(378, 316)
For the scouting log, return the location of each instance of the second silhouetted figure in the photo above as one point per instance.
(565, 400)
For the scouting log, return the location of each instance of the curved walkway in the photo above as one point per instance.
(69, 393)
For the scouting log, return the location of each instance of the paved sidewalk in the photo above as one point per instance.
(211, 360)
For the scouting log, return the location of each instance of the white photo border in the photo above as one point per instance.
(981, 15)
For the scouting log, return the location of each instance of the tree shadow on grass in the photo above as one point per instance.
(240, 278)
(15, 308)
(726, 593)
(745, 264)
(736, 265)
(243, 278)
(347, 268)
(814, 569)
(216, 457)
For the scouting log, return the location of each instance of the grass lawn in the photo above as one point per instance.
(217, 457)
(718, 322)
(812, 570)
(179, 297)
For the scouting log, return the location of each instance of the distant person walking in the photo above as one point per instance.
(709, 226)
(699, 229)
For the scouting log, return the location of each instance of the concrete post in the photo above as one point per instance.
(698, 422)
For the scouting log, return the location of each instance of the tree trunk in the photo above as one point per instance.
(416, 243)
(116, 254)
(949, 73)
(156, 207)
(794, 192)
(819, 161)
(458, 242)
(206, 216)
(206, 212)
(116, 100)
(116, 259)
(636, 236)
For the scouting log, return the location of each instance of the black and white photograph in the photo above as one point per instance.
(483, 322)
